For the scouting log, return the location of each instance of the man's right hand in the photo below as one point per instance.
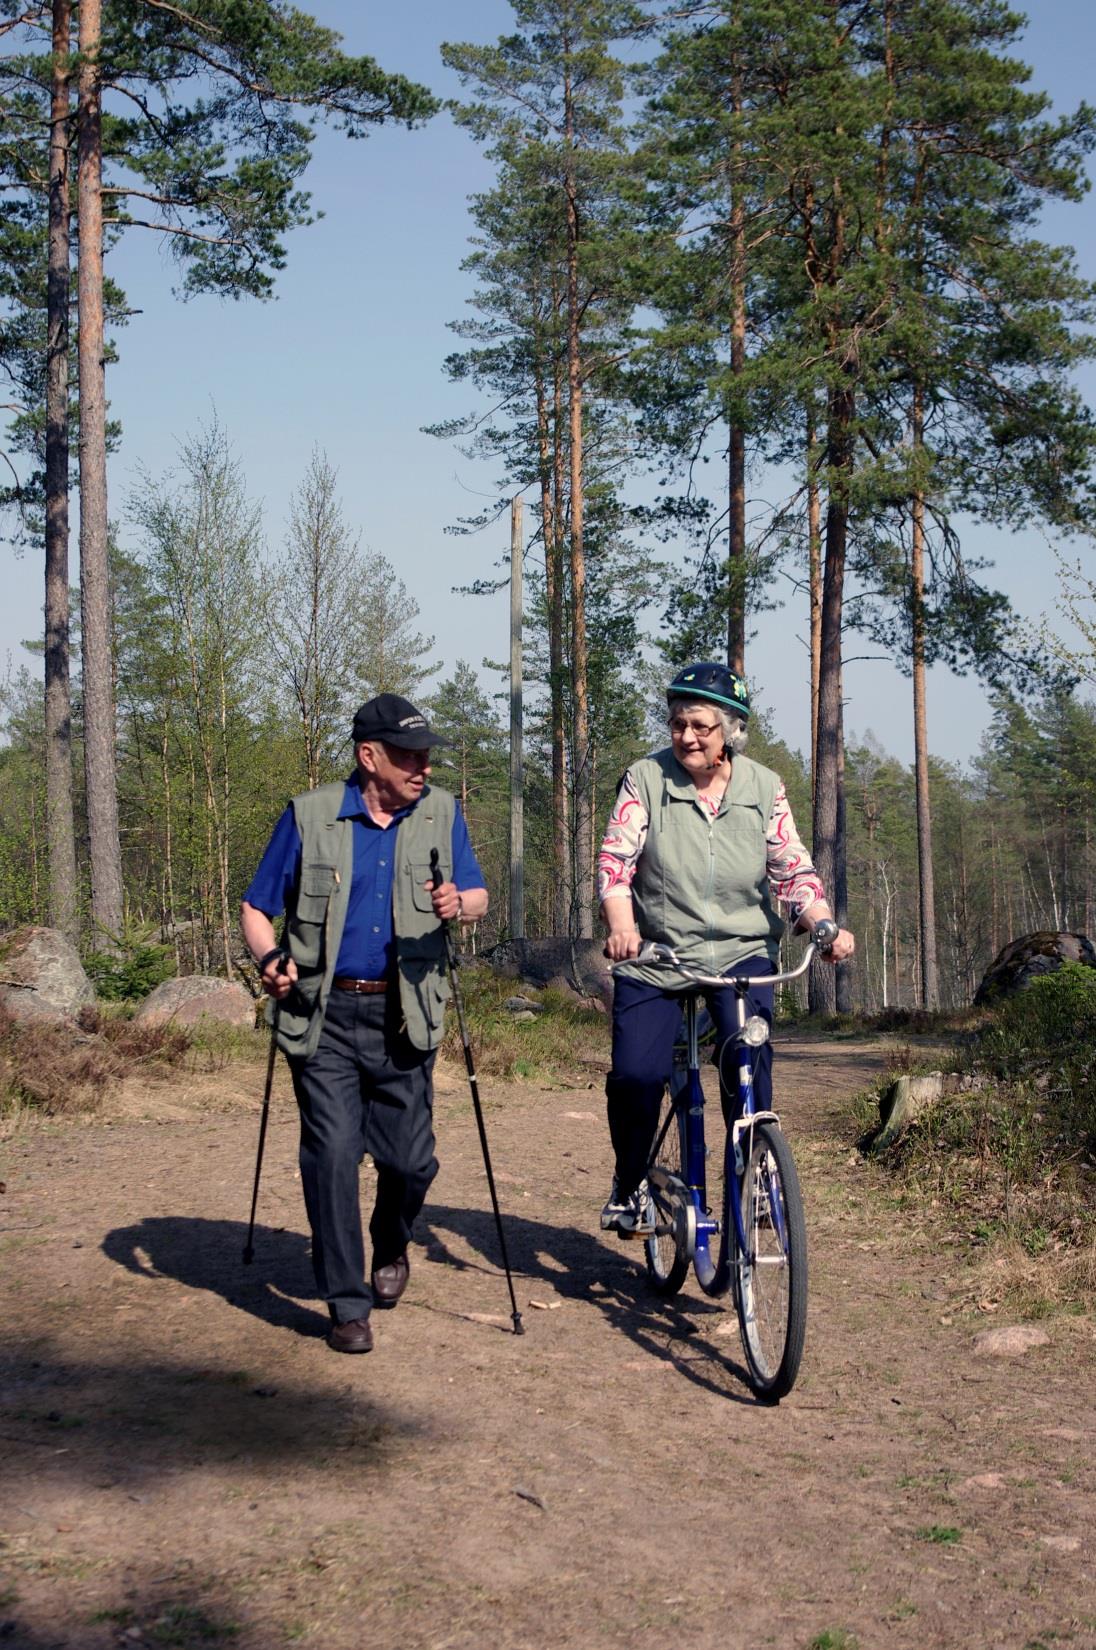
(279, 977)
(623, 944)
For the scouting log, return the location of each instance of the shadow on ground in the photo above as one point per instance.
(177, 1376)
(578, 1266)
(207, 1254)
(182, 1616)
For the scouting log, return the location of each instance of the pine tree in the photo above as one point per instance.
(218, 176)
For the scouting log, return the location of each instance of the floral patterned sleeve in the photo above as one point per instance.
(622, 843)
(792, 876)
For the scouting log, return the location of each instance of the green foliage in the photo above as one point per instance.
(1043, 1039)
(127, 975)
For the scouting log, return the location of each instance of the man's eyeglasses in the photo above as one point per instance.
(701, 729)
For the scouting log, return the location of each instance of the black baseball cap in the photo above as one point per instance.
(395, 721)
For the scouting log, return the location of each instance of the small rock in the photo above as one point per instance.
(521, 1005)
(1061, 1543)
(1010, 1340)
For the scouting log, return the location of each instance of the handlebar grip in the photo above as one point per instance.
(825, 932)
(435, 868)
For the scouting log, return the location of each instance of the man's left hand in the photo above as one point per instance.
(445, 899)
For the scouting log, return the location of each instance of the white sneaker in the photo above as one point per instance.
(633, 1214)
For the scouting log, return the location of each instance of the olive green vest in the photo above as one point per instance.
(314, 924)
(702, 883)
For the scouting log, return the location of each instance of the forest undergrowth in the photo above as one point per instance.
(1010, 1161)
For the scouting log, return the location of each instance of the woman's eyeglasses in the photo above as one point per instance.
(701, 729)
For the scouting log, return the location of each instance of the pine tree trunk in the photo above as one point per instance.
(582, 924)
(736, 446)
(814, 553)
(550, 455)
(842, 973)
(60, 828)
(828, 843)
(99, 732)
(930, 991)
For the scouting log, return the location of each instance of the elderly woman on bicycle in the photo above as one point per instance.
(699, 847)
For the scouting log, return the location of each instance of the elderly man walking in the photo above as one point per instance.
(361, 988)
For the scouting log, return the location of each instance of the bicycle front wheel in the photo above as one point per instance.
(667, 1251)
(770, 1278)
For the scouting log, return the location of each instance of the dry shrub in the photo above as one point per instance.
(1010, 1280)
(56, 1069)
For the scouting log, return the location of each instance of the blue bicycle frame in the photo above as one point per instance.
(701, 1239)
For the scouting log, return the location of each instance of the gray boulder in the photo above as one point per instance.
(573, 965)
(1024, 959)
(41, 974)
(195, 997)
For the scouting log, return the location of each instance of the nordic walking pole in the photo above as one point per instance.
(249, 1246)
(451, 959)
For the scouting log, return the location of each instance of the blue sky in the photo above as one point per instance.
(348, 358)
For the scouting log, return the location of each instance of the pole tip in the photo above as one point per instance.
(518, 1327)
(249, 1255)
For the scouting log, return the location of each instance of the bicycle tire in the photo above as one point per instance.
(666, 1252)
(770, 1280)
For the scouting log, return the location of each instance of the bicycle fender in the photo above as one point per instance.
(740, 1125)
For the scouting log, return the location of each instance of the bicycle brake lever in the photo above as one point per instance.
(825, 932)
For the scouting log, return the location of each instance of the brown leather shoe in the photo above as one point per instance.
(389, 1282)
(353, 1336)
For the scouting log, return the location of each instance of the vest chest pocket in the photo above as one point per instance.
(421, 874)
(314, 894)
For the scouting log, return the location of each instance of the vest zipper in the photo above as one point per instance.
(709, 894)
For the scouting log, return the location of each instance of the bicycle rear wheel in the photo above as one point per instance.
(770, 1279)
(667, 1251)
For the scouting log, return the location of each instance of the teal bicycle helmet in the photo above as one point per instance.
(711, 681)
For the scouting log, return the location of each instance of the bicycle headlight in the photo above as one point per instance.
(755, 1032)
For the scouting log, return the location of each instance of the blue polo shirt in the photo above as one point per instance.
(368, 949)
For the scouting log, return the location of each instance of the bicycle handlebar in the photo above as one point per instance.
(825, 932)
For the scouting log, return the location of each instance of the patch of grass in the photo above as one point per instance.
(187, 1626)
(834, 1638)
(942, 1535)
(565, 1033)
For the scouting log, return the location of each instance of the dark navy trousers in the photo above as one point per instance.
(365, 1089)
(646, 1021)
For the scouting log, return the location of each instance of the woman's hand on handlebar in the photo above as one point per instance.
(841, 948)
(623, 944)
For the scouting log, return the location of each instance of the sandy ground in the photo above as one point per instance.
(183, 1461)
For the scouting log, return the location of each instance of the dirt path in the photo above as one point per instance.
(184, 1462)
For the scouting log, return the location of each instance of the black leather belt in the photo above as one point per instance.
(364, 988)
